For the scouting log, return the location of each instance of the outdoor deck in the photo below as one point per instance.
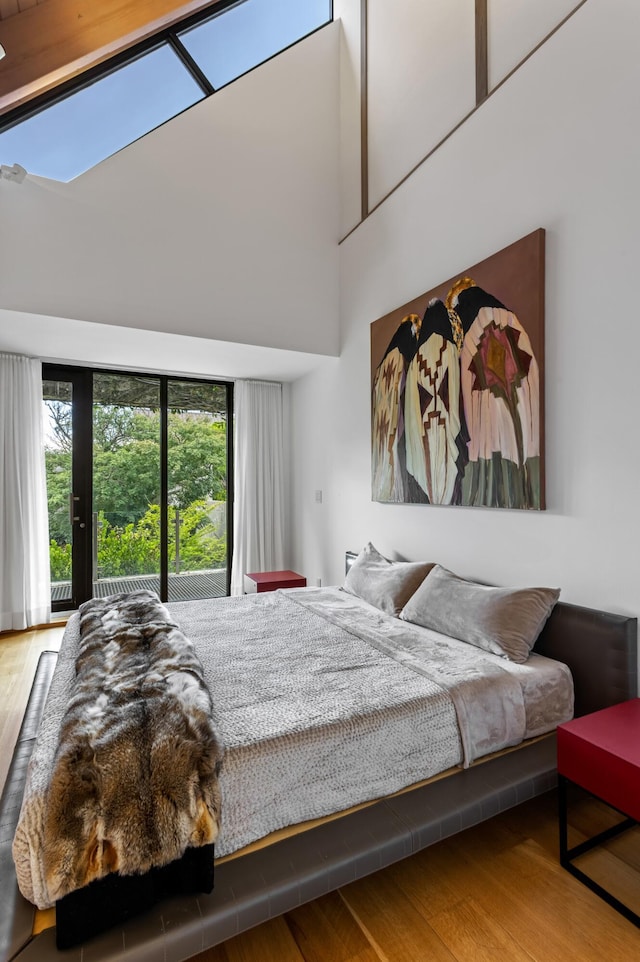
(189, 586)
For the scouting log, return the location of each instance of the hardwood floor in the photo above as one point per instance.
(19, 653)
(494, 892)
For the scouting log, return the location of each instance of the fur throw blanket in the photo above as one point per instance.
(135, 777)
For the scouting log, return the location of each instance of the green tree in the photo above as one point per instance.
(60, 561)
(130, 550)
(115, 426)
(126, 481)
(134, 549)
(60, 424)
(200, 548)
(58, 468)
(197, 459)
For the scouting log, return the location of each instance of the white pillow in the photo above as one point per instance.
(386, 584)
(504, 621)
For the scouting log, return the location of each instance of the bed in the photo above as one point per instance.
(264, 881)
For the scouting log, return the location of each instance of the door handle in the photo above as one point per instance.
(72, 505)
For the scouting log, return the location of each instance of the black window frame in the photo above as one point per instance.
(83, 434)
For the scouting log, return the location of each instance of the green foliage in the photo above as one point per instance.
(197, 460)
(126, 482)
(130, 550)
(126, 473)
(60, 423)
(134, 549)
(199, 546)
(115, 426)
(58, 466)
(60, 561)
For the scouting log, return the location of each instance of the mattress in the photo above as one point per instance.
(323, 702)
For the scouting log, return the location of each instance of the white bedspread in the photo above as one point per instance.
(323, 702)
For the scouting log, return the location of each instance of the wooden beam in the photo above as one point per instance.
(482, 60)
(54, 41)
(364, 112)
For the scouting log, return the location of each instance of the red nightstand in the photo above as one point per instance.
(601, 753)
(271, 580)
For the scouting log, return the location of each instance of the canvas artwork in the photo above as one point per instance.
(457, 388)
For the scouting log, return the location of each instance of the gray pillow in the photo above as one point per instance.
(504, 621)
(386, 584)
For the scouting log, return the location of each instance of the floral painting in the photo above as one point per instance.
(457, 397)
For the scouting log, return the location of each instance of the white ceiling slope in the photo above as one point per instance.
(64, 340)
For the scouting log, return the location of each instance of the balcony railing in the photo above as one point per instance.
(189, 586)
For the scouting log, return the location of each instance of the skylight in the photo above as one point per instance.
(76, 133)
(249, 33)
(161, 78)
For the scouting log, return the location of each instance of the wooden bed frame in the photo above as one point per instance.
(600, 648)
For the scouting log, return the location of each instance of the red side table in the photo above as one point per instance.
(600, 752)
(272, 580)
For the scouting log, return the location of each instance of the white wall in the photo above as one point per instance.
(222, 224)
(555, 147)
(515, 27)
(422, 76)
(347, 12)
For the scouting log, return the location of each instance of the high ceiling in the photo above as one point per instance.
(49, 41)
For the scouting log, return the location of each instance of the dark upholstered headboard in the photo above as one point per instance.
(600, 648)
(349, 558)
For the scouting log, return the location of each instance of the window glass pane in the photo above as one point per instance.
(57, 401)
(197, 481)
(78, 132)
(126, 483)
(243, 36)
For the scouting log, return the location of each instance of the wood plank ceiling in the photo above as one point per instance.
(50, 41)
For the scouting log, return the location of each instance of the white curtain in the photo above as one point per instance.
(258, 481)
(25, 588)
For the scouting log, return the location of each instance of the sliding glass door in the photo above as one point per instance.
(138, 483)
(125, 517)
